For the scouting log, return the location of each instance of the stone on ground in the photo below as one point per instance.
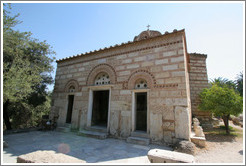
(47, 157)
(165, 156)
(185, 147)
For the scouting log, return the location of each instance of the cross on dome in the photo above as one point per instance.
(148, 26)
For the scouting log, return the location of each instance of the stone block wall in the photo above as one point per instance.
(198, 81)
(161, 61)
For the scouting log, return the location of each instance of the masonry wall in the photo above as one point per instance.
(161, 61)
(198, 81)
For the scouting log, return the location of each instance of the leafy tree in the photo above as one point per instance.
(223, 82)
(26, 69)
(239, 83)
(221, 101)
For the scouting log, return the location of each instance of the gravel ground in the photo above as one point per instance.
(222, 149)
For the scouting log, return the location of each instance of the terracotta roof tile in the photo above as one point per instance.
(116, 45)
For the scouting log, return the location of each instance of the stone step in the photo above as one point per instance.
(68, 125)
(94, 134)
(139, 134)
(138, 140)
(63, 129)
(97, 129)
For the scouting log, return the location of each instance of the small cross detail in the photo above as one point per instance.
(148, 26)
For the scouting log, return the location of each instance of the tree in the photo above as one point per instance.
(26, 68)
(221, 101)
(223, 82)
(239, 83)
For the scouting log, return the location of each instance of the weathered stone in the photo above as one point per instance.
(185, 147)
(132, 66)
(170, 67)
(156, 126)
(177, 59)
(200, 141)
(162, 75)
(162, 61)
(168, 137)
(125, 126)
(198, 129)
(168, 125)
(138, 140)
(165, 156)
(182, 122)
(168, 113)
(93, 134)
(169, 53)
(114, 123)
(47, 157)
(139, 59)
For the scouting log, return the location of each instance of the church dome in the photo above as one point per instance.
(146, 35)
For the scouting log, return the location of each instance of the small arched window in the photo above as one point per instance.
(71, 88)
(141, 84)
(102, 79)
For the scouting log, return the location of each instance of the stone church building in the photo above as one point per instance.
(143, 90)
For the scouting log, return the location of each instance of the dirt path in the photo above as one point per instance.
(222, 149)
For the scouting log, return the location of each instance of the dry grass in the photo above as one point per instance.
(217, 135)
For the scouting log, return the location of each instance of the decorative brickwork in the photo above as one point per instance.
(165, 85)
(72, 83)
(141, 74)
(100, 69)
(198, 81)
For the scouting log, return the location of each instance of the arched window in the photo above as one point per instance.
(102, 79)
(141, 84)
(71, 88)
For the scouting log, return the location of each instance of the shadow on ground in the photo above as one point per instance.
(89, 149)
(218, 134)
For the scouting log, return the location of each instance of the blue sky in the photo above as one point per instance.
(215, 29)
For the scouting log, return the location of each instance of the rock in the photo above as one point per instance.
(200, 141)
(185, 147)
(198, 129)
(5, 144)
(236, 121)
(166, 156)
(47, 157)
(215, 121)
(241, 117)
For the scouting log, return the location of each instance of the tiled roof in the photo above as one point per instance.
(116, 45)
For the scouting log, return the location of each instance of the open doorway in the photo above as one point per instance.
(100, 108)
(70, 108)
(141, 111)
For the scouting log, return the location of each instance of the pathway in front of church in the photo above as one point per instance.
(89, 149)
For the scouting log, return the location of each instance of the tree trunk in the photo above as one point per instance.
(6, 115)
(226, 122)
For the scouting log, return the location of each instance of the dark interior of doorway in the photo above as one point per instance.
(70, 108)
(100, 108)
(141, 111)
